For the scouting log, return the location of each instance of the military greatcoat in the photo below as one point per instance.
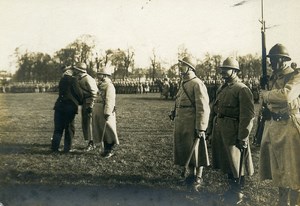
(280, 146)
(105, 104)
(192, 112)
(233, 114)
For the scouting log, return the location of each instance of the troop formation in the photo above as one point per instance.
(224, 121)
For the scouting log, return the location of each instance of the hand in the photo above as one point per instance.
(242, 144)
(264, 95)
(106, 116)
(89, 110)
(199, 133)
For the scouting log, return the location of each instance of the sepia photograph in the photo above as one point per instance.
(149, 102)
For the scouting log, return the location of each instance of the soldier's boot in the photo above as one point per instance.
(283, 196)
(294, 197)
(234, 196)
(198, 179)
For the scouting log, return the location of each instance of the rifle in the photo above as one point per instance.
(264, 112)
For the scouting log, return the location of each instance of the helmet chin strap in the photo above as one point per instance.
(185, 73)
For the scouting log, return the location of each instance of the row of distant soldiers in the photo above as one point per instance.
(166, 87)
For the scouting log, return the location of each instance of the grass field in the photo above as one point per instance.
(141, 173)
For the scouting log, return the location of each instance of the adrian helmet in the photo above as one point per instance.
(230, 63)
(105, 70)
(187, 61)
(80, 67)
(278, 50)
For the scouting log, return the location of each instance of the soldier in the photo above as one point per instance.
(279, 152)
(191, 120)
(231, 121)
(89, 89)
(66, 107)
(104, 115)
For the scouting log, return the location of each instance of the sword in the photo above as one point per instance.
(186, 166)
(243, 154)
(102, 137)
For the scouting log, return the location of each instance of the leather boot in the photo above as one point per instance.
(198, 179)
(283, 196)
(294, 198)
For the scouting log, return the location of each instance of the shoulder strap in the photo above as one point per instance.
(184, 89)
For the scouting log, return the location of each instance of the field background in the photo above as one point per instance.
(142, 172)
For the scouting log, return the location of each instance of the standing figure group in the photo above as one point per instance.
(97, 102)
(230, 124)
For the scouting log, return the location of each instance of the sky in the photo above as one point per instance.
(223, 27)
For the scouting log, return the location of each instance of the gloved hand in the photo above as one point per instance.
(241, 144)
(106, 116)
(199, 133)
(89, 110)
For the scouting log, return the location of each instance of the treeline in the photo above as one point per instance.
(42, 68)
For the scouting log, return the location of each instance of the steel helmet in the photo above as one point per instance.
(278, 50)
(80, 67)
(230, 63)
(105, 70)
(187, 61)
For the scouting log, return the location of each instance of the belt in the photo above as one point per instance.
(280, 116)
(98, 101)
(225, 116)
(184, 106)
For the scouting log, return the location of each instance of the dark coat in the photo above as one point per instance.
(69, 94)
(233, 114)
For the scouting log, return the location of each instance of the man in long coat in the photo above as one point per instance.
(231, 121)
(104, 114)
(89, 89)
(191, 120)
(279, 152)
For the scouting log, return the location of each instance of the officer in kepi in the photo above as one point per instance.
(279, 152)
(191, 120)
(230, 124)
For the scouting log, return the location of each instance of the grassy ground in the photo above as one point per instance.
(142, 170)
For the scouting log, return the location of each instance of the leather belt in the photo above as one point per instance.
(225, 116)
(280, 116)
(184, 106)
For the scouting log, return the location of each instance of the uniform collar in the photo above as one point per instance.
(188, 76)
(286, 70)
(233, 81)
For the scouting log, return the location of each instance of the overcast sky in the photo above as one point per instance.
(224, 27)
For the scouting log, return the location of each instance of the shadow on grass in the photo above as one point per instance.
(32, 194)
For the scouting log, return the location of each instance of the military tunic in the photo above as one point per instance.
(105, 104)
(233, 114)
(190, 116)
(89, 90)
(280, 146)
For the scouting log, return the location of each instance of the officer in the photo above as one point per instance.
(66, 107)
(89, 89)
(191, 120)
(104, 115)
(279, 152)
(231, 121)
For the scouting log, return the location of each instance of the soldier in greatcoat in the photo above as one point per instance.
(104, 114)
(191, 120)
(231, 121)
(89, 89)
(280, 145)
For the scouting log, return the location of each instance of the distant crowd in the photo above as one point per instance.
(167, 87)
